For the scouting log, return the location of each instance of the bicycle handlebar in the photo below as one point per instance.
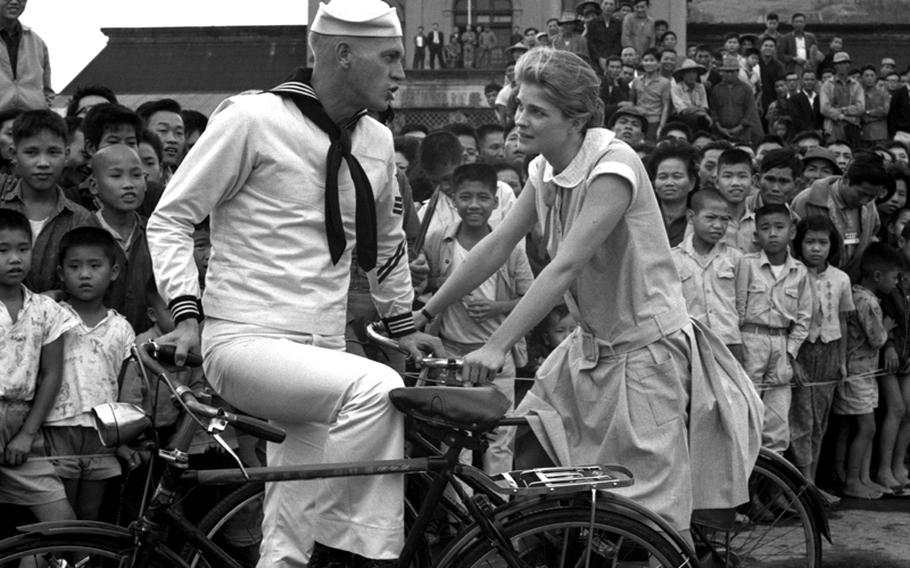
(159, 354)
(248, 424)
(377, 337)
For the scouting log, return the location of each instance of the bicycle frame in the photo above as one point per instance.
(152, 525)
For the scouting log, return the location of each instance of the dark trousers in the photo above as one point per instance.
(436, 54)
(420, 56)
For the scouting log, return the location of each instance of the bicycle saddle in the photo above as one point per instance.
(477, 409)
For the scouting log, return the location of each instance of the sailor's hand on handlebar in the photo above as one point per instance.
(185, 338)
(481, 366)
(418, 344)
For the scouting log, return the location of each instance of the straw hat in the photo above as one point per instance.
(688, 65)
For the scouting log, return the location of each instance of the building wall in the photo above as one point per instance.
(525, 14)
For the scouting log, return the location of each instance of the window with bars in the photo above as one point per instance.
(495, 14)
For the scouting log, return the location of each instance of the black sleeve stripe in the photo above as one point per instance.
(400, 325)
(185, 307)
(390, 264)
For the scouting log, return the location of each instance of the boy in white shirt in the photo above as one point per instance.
(31, 358)
(93, 355)
(464, 326)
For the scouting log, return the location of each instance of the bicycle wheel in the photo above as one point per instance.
(556, 538)
(775, 529)
(74, 549)
(234, 525)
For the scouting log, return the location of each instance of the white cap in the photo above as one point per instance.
(357, 18)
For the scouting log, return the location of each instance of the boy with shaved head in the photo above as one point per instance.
(707, 267)
(118, 183)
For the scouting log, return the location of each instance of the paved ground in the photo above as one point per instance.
(869, 534)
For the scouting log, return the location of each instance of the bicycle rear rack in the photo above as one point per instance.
(554, 480)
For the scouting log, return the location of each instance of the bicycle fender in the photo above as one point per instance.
(619, 504)
(96, 528)
(788, 472)
(605, 500)
(52, 528)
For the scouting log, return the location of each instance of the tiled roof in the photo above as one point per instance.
(214, 61)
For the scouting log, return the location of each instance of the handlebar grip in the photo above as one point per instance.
(165, 354)
(257, 427)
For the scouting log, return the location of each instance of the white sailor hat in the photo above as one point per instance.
(358, 18)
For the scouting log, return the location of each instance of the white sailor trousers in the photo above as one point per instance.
(335, 408)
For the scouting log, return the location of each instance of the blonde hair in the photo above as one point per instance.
(570, 83)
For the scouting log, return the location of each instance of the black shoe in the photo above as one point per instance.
(327, 557)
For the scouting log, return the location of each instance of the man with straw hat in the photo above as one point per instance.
(569, 37)
(732, 104)
(843, 103)
(690, 99)
(296, 180)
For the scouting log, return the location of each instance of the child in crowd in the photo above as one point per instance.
(194, 124)
(7, 149)
(774, 303)
(823, 356)
(707, 268)
(510, 174)
(202, 249)
(466, 325)
(889, 208)
(76, 167)
(543, 339)
(93, 355)
(39, 137)
(105, 125)
(776, 178)
(118, 183)
(894, 387)
(204, 453)
(707, 163)
(156, 398)
(151, 153)
(857, 397)
(895, 227)
(734, 182)
(491, 140)
(892, 201)
(163, 117)
(651, 93)
(31, 359)
(440, 153)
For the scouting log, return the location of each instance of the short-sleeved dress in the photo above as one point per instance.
(622, 388)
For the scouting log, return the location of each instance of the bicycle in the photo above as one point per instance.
(781, 526)
(566, 516)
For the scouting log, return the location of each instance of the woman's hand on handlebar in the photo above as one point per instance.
(419, 343)
(481, 366)
(185, 338)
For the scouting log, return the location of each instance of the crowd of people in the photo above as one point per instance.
(526, 245)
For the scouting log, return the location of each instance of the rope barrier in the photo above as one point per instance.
(852, 378)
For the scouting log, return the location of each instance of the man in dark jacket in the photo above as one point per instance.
(899, 111)
(795, 49)
(772, 70)
(802, 114)
(613, 91)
